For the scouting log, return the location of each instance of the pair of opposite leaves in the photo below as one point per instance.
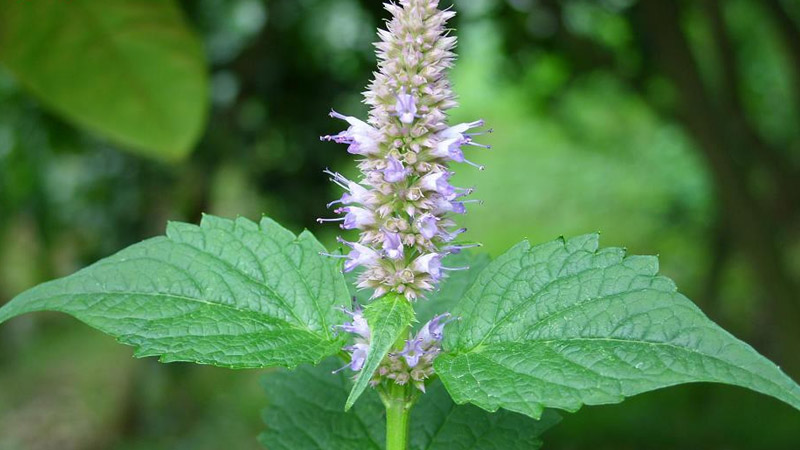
(557, 325)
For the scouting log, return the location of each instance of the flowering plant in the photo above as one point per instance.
(481, 351)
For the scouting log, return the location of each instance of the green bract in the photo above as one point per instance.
(131, 71)
(564, 324)
(389, 319)
(305, 412)
(228, 293)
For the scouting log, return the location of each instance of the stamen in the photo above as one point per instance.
(477, 166)
(331, 255)
(475, 144)
(336, 115)
(455, 269)
(321, 220)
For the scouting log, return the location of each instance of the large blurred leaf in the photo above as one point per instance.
(564, 324)
(305, 413)
(229, 293)
(129, 70)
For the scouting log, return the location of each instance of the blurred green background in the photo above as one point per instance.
(672, 127)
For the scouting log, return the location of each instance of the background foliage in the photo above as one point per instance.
(671, 127)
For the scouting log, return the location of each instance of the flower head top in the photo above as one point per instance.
(403, 205)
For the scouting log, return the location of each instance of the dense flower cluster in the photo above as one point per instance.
(404, 203)
(413, 364)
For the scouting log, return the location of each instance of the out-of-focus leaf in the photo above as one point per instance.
(129, 70)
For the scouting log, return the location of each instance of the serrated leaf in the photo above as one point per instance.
(229, 293)
(131, 71)
(564, 324)
(305, 413)
(388, 319)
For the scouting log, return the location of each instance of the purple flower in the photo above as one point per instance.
(356, 218)
(362, 137)
(437, 182)
(431, 333)
(360, 255)
(430, 263)
(460, 131)
(392, 245)
(394, 171)
(406, 107)
(356, 193)
(358, 325)
(358, 356)
(450, 236)
(412, 352)
(427, 225)
(451, 149)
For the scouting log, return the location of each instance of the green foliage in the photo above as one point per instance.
(564, 324)
(229, 293)
(388, 319)
(131, 71)
(305, 412)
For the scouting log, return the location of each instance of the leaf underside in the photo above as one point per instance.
(131, 71)
(229, 293)
(305, 413)
(388, 317)
(564, 324)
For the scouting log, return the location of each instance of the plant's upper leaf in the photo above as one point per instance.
(388, 319)
(229, 293)
(305, 413)
(131, 71)
(564, 324)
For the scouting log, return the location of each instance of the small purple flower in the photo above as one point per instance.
(406, 107)
(430, 263)
(356, 193)
(437, 182)
(394, 171)
(358, 356)
(358, 325)
(392, 245)
(460, 131)
(362, 137)
(360, 255)
(431, 333)
(451, 149)
(427, 225)
(412, 352)
(450, 236)
(356, 218)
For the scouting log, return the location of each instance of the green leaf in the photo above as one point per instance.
(229, 293)
(305, 413)
(388, 319)
(130, 70)
(564, 324)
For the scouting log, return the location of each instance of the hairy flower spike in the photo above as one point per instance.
(404, 199)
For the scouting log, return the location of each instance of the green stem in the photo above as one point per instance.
(398, 409)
